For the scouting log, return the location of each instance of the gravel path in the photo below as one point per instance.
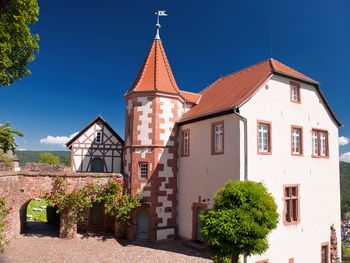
(35, 248)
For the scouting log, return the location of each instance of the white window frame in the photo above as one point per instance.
(320, 145)
(185, 142)
(218, 137)
(143, 168)
(295, 92)
(264, 137)
(297, 140)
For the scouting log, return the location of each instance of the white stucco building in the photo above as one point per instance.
(267, 123)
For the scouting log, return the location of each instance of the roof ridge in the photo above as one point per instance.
(141, 73)
(170, 74)
(231, 74)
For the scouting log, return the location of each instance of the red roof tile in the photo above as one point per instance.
(235, 89)
(155, 73)
(190, 96)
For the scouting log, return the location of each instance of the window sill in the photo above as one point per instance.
(217, 153)
(264, 153)
(297, 154)
(319, 157)
(293, 223)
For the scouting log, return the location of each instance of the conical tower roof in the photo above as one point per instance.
(155, 74)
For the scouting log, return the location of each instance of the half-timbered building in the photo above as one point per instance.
(96, 148)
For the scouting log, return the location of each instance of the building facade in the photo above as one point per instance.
(267, 123)
(96, 148)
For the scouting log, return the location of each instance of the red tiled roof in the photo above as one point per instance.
(190, 96)
(235, 89)
(155, 74)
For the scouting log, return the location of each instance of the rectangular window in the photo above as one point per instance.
(143, 170)
(264, 137)
(218, 138)
(297, 140)
(185, 147)
(324, 253)
(98, 138)
(294, 92)
(291, 204)
(319, 143)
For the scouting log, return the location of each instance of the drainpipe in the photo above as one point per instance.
(244, 120)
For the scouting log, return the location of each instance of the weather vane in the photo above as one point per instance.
(159, 13)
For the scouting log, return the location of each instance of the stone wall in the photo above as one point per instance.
(18, 188)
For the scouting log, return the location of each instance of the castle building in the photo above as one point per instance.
(267, 123)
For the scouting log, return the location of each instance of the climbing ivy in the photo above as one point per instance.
(3, 212)
(117, 201)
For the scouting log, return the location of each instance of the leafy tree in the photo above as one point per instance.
(17, 44)
(7, 137)
(244, 213)
(48, 158)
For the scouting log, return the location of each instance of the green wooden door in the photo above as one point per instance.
(97, 165)
(142, 225)
(96, 215)
(199, 236)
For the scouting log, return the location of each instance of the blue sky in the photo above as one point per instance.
(90, 53)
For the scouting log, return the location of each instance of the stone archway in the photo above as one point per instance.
(36, 218)
(18, 188)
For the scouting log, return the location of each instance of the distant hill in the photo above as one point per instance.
(33, 156)
(345, 186)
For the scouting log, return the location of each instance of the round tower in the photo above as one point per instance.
(153, 105)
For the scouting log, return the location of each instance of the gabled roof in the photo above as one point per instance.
(191, 96)
(98, 118)
(155, 74)
(234, 90)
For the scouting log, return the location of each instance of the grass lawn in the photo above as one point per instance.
(36, 210)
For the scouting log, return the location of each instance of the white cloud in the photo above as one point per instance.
(343, 140)
(57, 140)
(21, 149)
(345, 157)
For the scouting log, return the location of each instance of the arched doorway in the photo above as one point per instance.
(37, 218)
(142, 225)
(97, 165)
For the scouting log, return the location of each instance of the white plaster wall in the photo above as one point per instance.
(144, 127)
(201, 173)
(167, 113)
(318, 178)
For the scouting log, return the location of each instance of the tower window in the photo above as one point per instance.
(143, 170)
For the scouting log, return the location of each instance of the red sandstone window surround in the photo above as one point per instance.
(297, 140)
(319, 143)
(325, 252)
(217, 138)
(143, 168)
(291, 260)
(291, 211)
(185, 142)
(264, 138)
(295, 92)
(263, 261)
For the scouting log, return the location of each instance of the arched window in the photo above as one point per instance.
(97, 165)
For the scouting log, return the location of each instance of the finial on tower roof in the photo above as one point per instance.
(159, 13)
